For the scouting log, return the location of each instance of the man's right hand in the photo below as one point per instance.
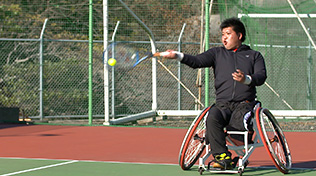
(171, 54)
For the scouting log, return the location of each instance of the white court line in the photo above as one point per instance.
(39, 168)
(141, 163)
(97, 161)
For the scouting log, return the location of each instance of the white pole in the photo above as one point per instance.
(302, 24)
(288, 105)
(113, 72)
(41, 115)
(179, 66)
(153, 48)
(105, 66)
(185, 87)
(154, 76)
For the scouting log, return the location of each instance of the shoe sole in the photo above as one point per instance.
(217, 165)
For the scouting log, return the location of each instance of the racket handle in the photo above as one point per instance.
(164, 53)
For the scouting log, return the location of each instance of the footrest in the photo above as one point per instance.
(220, 171)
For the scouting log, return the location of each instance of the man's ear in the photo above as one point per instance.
(239, 35)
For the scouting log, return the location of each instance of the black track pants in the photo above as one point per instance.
(221, 115)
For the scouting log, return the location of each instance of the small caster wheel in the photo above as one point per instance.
(201, 170)
(240, 171)
(246, 163)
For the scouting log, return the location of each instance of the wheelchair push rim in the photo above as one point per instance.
(193, 143)
(274, 140)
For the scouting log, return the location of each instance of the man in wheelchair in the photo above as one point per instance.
(237, 70)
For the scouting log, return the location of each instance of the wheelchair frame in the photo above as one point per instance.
(267, 133)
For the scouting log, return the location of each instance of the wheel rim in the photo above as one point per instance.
(274, 140)
(193, 144)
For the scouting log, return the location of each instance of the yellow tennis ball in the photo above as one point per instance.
(112, 62)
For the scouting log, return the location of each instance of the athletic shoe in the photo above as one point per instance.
(223, 161)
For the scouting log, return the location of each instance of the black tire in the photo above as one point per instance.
(193, 143)
(274, 140)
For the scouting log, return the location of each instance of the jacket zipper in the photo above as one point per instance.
(235, 62)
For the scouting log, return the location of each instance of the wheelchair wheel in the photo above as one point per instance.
(273, 139)
(193, 143)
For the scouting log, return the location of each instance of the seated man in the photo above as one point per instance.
(237, 70)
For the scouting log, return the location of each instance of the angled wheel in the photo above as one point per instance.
(193, 142)
(273, 139)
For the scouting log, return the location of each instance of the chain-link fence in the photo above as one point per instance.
(275, 31)
(62, 78)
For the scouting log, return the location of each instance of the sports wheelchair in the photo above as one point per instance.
(266, 133)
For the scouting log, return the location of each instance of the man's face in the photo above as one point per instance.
(230, 39)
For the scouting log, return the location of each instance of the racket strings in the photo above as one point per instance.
(128, 54)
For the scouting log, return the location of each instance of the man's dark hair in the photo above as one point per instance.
(236, 25)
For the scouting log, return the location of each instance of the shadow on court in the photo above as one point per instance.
(305, 164)
(256, 171)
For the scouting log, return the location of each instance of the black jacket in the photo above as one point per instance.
(224, 62)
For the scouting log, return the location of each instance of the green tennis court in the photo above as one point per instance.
(40, 167)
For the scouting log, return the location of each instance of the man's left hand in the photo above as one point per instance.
(239, 76)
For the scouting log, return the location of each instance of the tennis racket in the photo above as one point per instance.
(158, 54)
(129, 55)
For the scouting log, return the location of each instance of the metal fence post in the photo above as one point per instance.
(113, 71)
(41, 115)
(105, 67)
(309, 76)
(179, 66)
